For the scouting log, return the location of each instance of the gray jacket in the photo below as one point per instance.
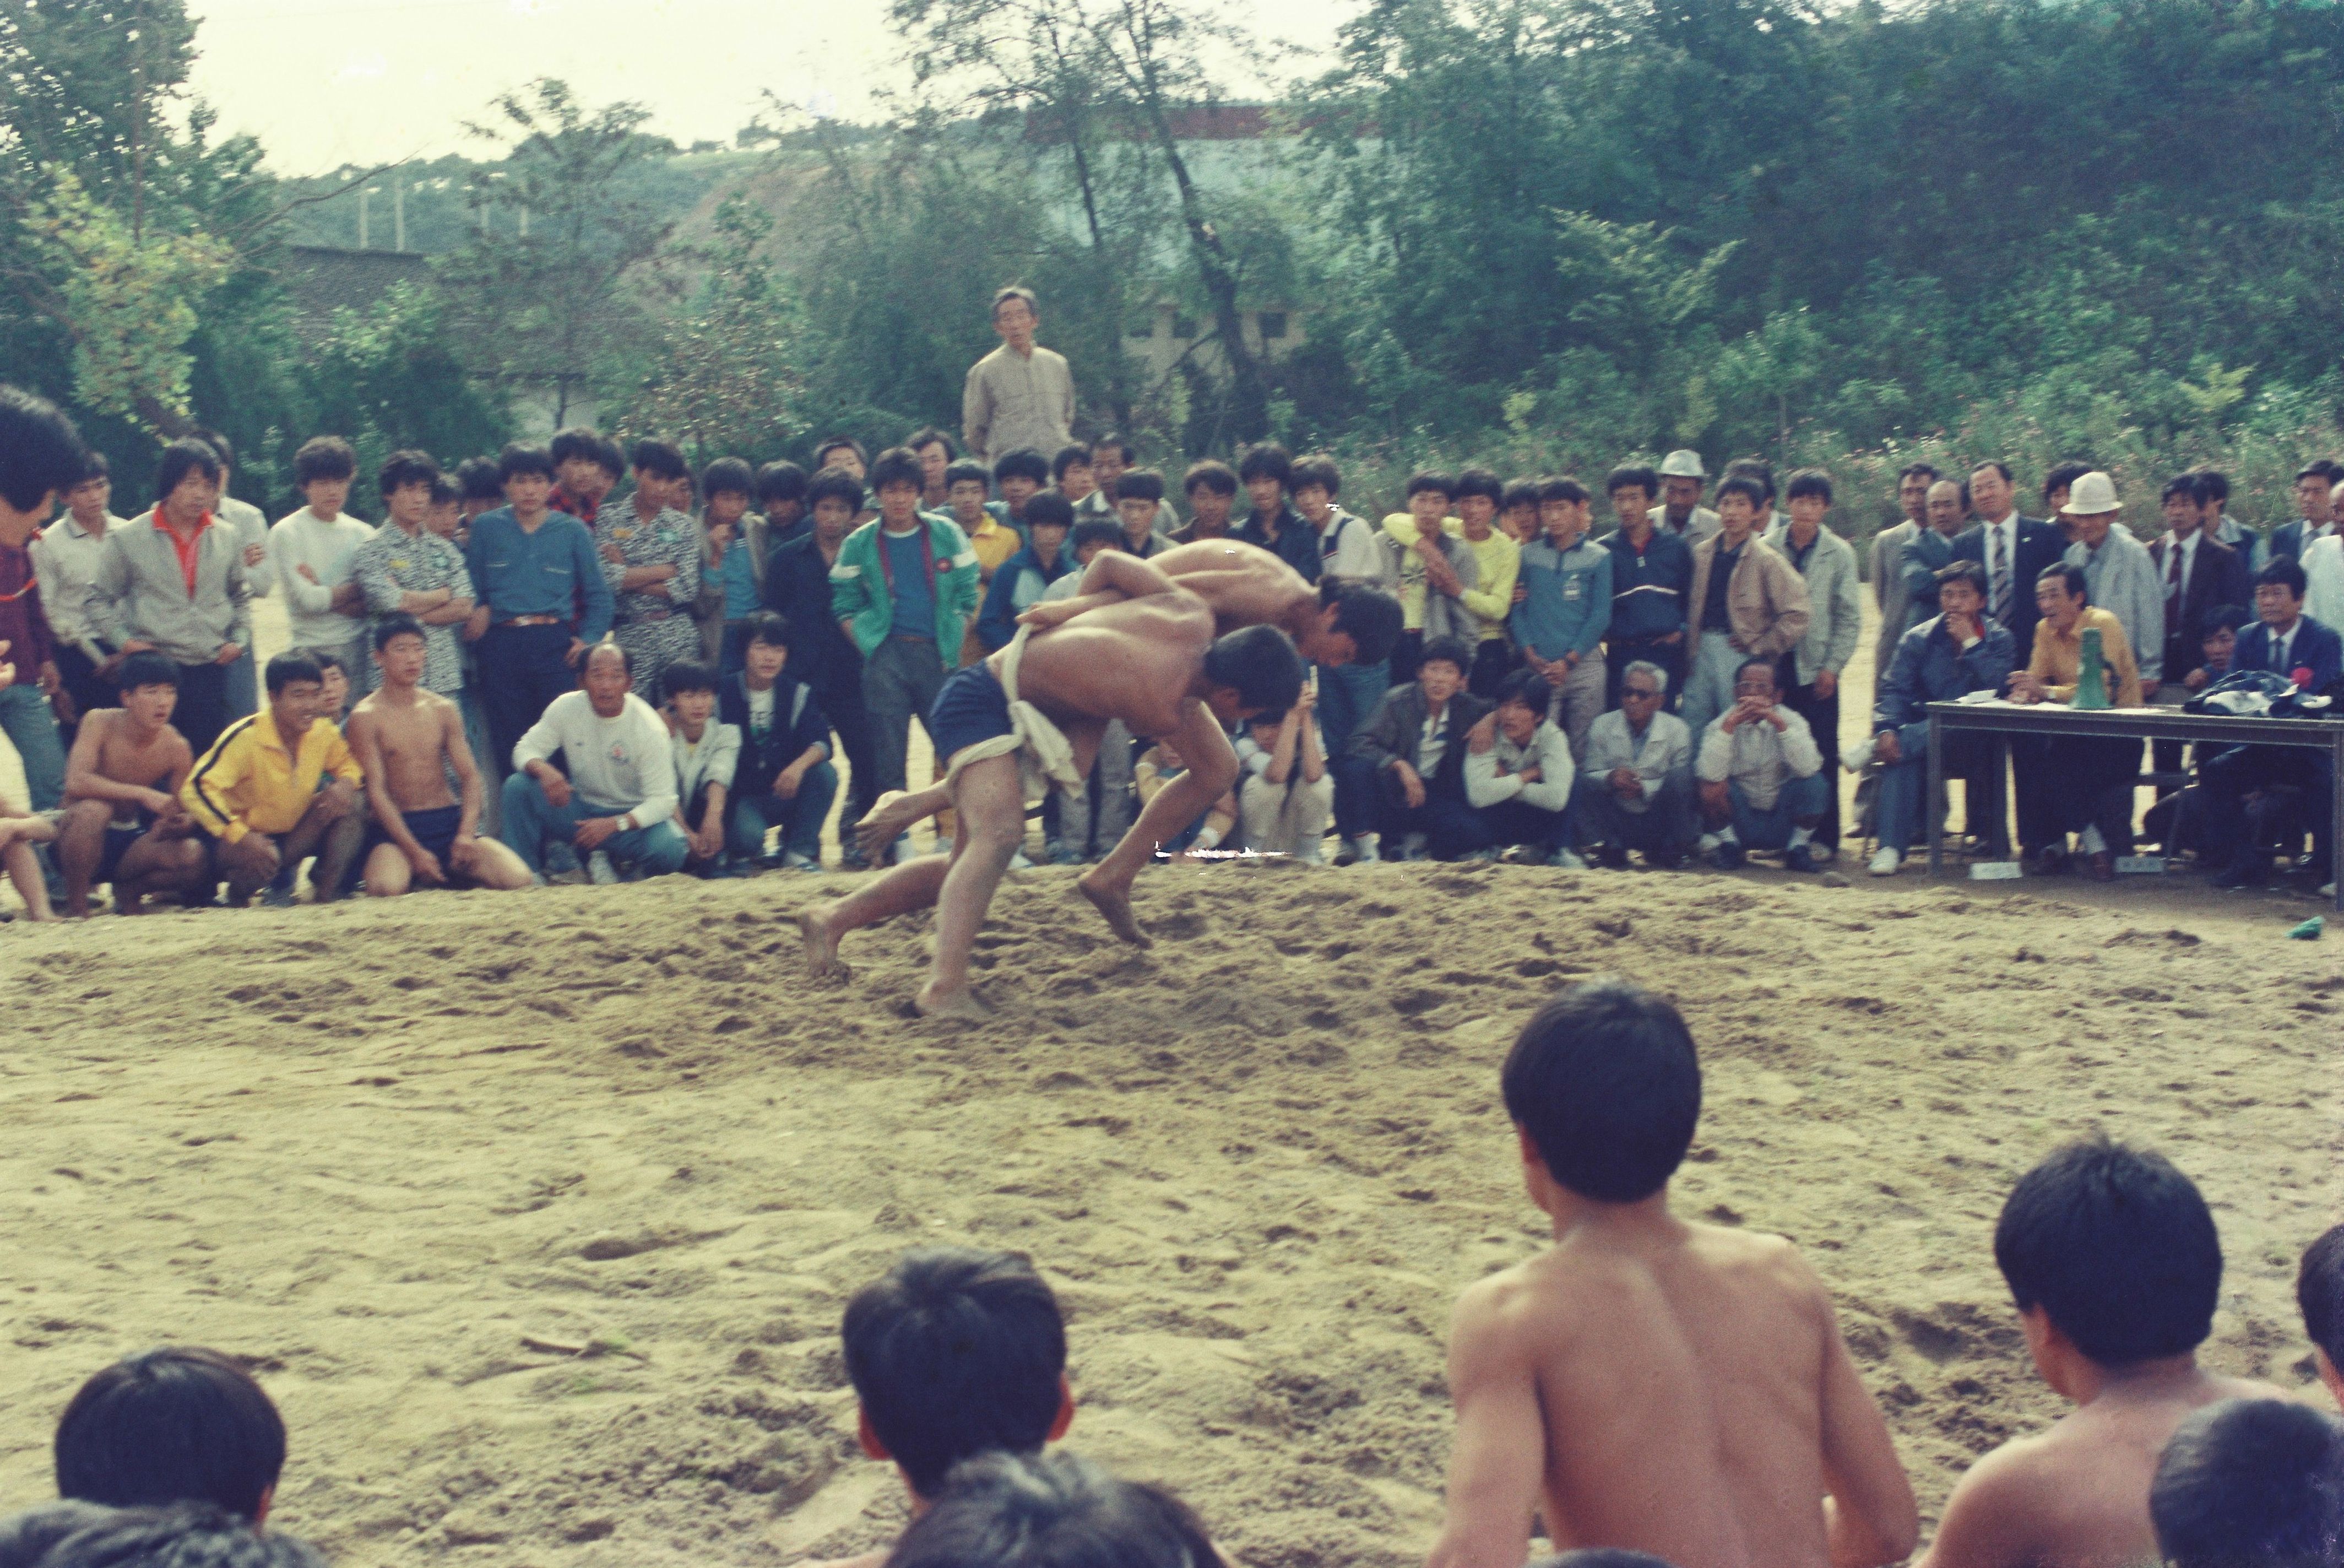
(1834, 611)
(139, 578)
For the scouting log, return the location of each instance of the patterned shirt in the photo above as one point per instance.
(394, 564)
(669, 539)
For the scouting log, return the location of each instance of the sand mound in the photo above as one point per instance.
(538, 1212)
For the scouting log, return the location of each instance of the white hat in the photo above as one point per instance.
(2094, 493)
(1683, 463)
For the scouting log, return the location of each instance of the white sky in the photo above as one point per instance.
(324, 83)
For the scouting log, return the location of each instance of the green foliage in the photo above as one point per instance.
(392, 377)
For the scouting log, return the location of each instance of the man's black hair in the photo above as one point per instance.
(823, 449)
(2320, 468)
(1998, 465)
(1092, 531)
(1266, 460)
(1074, 455)
(2223, 618)
(1809, 482)
(326, 661)
(1259, 664)
(1112, 439)
(1633, 476)
(767, 626)
(1748, 486)
(41, 452)
(834, 484)
(1758, 468)
(1962, 570)
(146, 669)
(222, 448)
(1317, 469)
(967, 470)
(610, 458)
(182, 1535)
(173, 1425)
(1743, 668)
(2284, 573)
(1433, 481)
(929, 436)
(1925, 470)
(1140, 484)
(2117, 1247)
(2187, 485)
(779, 481)
(1526, 687)
(181, 458)
(2062, 476)
(955, 1352)
(1021, 462)
(1605, 1080)
(1447, 651)
(688, 675)
(94, 466)
(2078, 586)
(2319, 1293)
(324, 457)
(481, 478)
(286, 668)
(404, 467)
(1521, 492)
(2256, 1482)
(1482, 482)
(1049, 507)
(445, 492)
(1211, 474)
(577, 441)
(520, 458)
(897, 465)
(1563, 488)
(2213, 484)
(662, 459)
(397, 623)
(1370, 616)
(732, 474)
(1052, 1511)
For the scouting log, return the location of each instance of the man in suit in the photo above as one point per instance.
(2013, 550)
(2286, 783)
(1885, 567)
(2199, 575)
(2315, 511)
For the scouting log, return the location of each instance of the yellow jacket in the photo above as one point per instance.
(1491, 599)
(2057, 660)
(248, 782)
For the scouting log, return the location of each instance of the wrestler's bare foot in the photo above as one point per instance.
(932, 1003)
(823, 961)
(890, 817)
(1114, 903)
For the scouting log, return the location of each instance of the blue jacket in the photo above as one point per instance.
(798, 722)
(1929, 668)
(2316, 648)
(1016, 587)
(1568, 603)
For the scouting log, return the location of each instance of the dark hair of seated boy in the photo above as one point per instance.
(954, 1353)
(2254, 1482)
(2319, 1293)
(2113, 1262)
(1053, 1511)
(182, 1535)
(173, 1425)
(1646, 1382)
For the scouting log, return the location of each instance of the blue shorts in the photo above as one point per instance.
(970, 708)
(118, 839)
(434, 829)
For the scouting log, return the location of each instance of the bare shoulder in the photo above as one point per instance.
(2008, 1503)
(1758, 1260)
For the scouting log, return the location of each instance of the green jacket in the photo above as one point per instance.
(858, 586)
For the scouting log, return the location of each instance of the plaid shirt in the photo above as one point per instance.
(394, 564)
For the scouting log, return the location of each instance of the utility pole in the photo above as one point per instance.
(397, 213)
(364, 192)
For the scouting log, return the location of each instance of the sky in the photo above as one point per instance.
(325, 83)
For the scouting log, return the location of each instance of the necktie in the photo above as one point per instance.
(2278, 656)
(1996, 575)
(2172, 586)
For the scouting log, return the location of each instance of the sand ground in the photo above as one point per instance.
(537, 1212)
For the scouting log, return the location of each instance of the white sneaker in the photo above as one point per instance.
(1411, 846)
(600, 871)
(1569, 859)
(796, 862)
(1885, 862)
(1369, 851)
(1858, 757)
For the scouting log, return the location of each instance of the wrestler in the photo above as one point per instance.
(407, 740)
(1146, 656)
(123, 823)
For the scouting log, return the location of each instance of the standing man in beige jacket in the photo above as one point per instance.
(1021, 394)
(1747, 603)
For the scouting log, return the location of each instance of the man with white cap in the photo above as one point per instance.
(2120, 573)
(1682, 479)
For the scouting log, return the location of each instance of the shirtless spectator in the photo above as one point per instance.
(171, 1425)
(123, 823)
(2319, 1293)
(408, 739)
(1054, 1510)
(256, 794)
(2112, 1257)
(2256, 1482)
(954, 1353)
(1647, 1382)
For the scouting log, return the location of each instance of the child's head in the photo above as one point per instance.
(782, 493)
(1017, 475)
(2218, 633)
(1632, 488)
(1049, 516)
(836, 496)
(1137, 495)
(2244, 1481)
(578, 462)
(1071, 471)
(1053, 1511)
(481, 484)
(2319, 1293)
(1810, 496)
(660, 472)
(728, 485)
(769, 646)
(689, 688)
(333, 682)
(967, 487)
(840, 452)
(526, 474)
(400, 648)
(1211, 487)
(1518, 510)
(445, 514)
(149, 684)
(1092, 536)
(955, 1352)
(1523, 697)
(323, 471)
(88, 497)
(1442, 669)
(897, 481)
(1604, 1085)
(2113, 1250)
(1479, 493)
(1429, 494)
(1563, 508)
(1314, 482)
(1739, 497)
(405, 482)
(176, 1425)
(1265, 470)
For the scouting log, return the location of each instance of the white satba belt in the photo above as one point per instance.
(1045, 756)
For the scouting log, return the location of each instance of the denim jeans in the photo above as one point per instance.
(800, 819)
(32, 728)
(1770, 828)
(531, 819)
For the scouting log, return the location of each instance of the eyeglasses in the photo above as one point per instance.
(1631, 693)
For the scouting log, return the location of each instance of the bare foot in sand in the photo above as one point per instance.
(1114, 903)
(890, 817)
(962, 1004)
(823, 961)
